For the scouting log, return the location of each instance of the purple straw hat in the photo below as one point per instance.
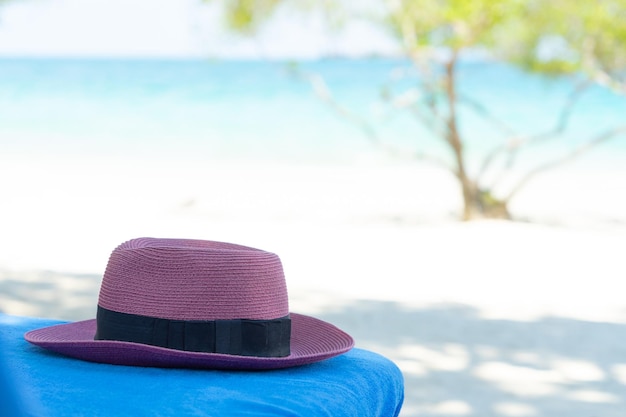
(182, 303)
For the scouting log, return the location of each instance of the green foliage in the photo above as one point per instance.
(564, 36)
(548, 36)
(245, 15)
(454, 24)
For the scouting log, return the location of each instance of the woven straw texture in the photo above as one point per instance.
(194, 280)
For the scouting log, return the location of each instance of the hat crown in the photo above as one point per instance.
(184, 279)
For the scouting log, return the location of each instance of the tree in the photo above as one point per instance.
(585, 41)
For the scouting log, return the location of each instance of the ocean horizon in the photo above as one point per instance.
(221, 110)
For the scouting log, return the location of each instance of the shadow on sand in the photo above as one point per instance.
(455, 362)
(49, 294)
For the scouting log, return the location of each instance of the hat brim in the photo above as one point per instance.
(312, 340)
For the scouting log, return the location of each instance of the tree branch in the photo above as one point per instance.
(482, 111)
(323, 92)
(565, 115)
(604, 79)
(415, 103)
(595, 70)
(515, 143)
(575, 153)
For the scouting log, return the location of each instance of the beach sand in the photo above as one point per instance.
(486, 318)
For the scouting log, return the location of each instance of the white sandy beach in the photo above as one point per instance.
(487, 318)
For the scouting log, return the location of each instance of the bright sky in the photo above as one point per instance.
(171, 28)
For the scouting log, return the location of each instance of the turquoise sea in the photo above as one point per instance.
(224, 110)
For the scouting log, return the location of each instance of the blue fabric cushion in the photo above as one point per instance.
(359, 383)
